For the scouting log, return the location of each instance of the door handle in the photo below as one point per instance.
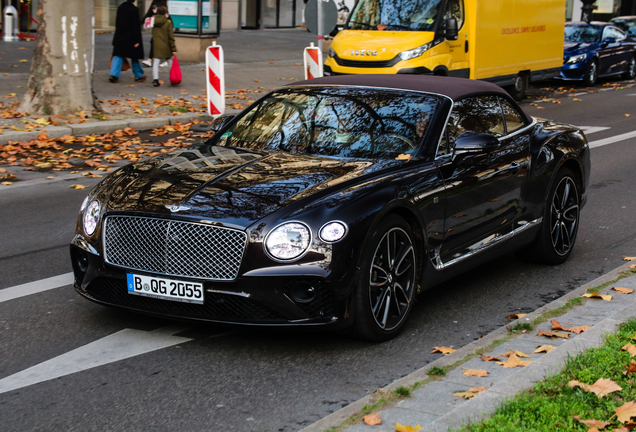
(514, 168)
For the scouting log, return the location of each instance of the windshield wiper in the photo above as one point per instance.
(364, 24)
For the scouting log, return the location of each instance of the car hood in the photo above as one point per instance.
(230, 186)
(575, 48)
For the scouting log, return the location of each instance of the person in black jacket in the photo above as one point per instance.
(127, 42)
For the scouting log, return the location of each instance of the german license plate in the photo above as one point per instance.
(166, 289)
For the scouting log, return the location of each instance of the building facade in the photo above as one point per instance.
(218, 15)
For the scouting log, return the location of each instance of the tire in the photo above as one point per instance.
(630, 73)
(591, 74)
(560, 224)
(518, 90)
(388, 281)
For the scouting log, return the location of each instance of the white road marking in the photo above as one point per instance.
(118, 346)
(592, 129)
(612, 140)
(41, 285)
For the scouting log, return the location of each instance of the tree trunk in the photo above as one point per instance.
(61, 80)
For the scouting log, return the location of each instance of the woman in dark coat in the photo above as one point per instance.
(127, 42)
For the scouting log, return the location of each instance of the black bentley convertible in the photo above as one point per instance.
(333, 202)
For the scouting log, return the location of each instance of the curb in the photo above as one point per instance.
(103, 127)
(476, 411)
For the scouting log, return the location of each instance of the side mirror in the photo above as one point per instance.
(450, 29)
(220, 121)
(609, 40)
(476, 143)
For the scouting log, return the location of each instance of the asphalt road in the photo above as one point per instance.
(215, 378)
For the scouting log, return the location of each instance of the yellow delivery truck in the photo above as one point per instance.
(508, 42)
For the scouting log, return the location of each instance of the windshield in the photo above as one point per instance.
(583, 33)
(394, 15)
(335, 121)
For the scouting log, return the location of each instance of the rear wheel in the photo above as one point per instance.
(388, 281)
(560, 224)
(591, 74)
(630, 73)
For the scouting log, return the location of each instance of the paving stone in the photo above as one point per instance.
(395, 415)
(436, 398)
(17, 136)
(476, 409)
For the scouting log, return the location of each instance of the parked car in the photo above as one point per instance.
(597, 50)
(626, 23)
(333, 202)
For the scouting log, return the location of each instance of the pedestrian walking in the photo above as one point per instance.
(127, 42)
(163, 42)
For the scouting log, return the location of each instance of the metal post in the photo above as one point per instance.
(320, 29)
(587, 10)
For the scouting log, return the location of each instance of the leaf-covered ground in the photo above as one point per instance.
(595, 392)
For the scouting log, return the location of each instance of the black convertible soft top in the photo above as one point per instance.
(454, 88)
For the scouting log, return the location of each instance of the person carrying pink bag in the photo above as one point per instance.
(163, 44)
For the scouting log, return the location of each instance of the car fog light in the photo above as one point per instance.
(288, 241)
(333, 231)
(91, 217)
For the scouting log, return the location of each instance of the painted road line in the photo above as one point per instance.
(118, 346)
(41, 285)
(593, 129)
(612, 140)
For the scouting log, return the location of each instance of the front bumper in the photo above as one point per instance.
(261, 301)
(574, 71)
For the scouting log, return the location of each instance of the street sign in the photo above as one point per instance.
(329, 16)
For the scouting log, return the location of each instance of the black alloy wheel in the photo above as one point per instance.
(564, 216)
(560, 224)
(630, 73)
(591, 74)
(388, 281)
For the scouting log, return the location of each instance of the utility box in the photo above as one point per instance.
(10, 24)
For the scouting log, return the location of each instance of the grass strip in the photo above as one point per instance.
(551, 404)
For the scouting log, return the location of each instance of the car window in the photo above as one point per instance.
(627, 25)
(477, 114)
(455, 9)
(613, 32)
(514, 119)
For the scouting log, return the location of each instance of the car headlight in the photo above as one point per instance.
(415, 52)
(576, 59)
(288, 241)
(332, 52)
(91, 217)
(333, 231)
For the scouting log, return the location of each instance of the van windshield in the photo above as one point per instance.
(409, 15)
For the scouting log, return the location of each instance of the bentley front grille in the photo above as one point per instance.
(173, 248)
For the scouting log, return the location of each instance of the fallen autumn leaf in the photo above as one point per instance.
(372, 419)
(600, 388)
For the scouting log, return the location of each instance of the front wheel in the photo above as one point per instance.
(560, 224)
(388, 281)
(630, 73)
(591, 74)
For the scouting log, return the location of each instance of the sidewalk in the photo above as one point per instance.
(255, 62)
(433, 406)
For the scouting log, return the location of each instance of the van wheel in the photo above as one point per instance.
(518, 90)
(591, 74)
(630, 73)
